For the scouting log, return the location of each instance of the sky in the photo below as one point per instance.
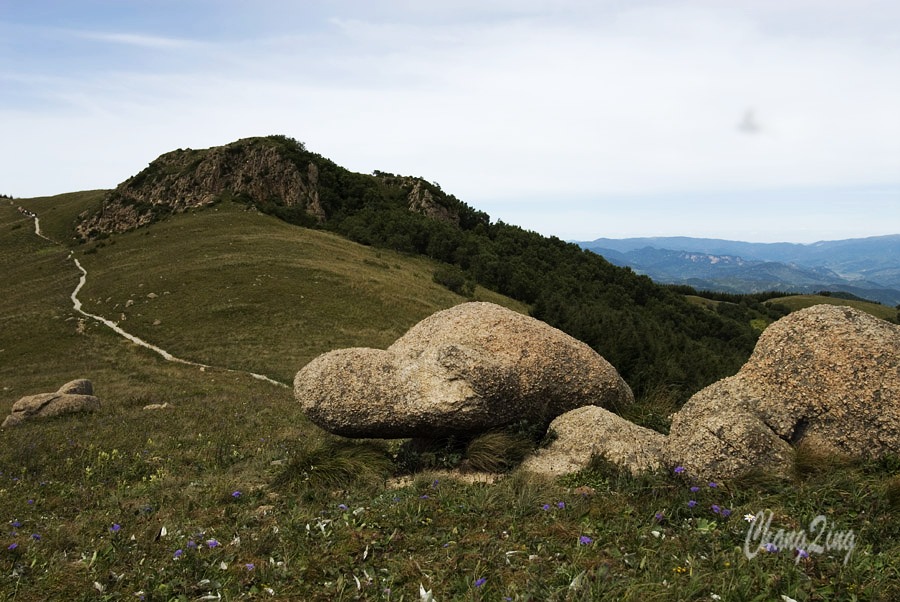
(757, 120)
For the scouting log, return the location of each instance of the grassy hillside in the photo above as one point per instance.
(655, 338)
(795, 302)
(230, 493)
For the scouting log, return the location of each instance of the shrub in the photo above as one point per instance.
(455, 280)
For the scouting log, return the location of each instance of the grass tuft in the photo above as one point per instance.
(811, 459)
(323, 463)
(497, 451)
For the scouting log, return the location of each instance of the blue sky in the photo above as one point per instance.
(757, 120)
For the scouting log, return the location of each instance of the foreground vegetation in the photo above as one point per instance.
(237, 497)
(229, 493)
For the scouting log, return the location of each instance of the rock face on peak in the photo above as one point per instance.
(276, 175)
(257, 169)
(422, 201)
(464, 370)
(826, 376)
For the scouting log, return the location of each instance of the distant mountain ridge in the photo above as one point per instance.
(866, 267)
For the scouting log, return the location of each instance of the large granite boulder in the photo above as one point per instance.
(827, 376)
(588, 432)
(73, 397)
(465, 370)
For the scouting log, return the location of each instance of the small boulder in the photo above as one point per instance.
(465, 370)
(73, 397)
(81, 386)
(588, 432)
(717, 434)
(827, 376)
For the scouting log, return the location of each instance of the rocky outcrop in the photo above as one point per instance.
(464, 370)
(826, 376)
(590, 432)
(256, 168)
(422, 201)
(73, 397)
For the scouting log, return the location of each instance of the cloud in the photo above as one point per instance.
(503, 103)
(135, 39)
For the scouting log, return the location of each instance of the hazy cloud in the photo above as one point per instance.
(507, 104)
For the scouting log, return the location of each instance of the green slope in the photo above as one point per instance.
(795, 302)
(224, 286)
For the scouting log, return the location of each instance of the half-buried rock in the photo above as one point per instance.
(589, 432)
(73, 397)
(464, 370)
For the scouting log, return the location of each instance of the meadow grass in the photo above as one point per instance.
(230, 492)
(795, 302)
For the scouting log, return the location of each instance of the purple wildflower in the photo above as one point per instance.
(713, 484)
(726, 512)
(212, 543)
(659, 516)
(585, 540)
(716, 509)
(546, 506)
(480, 581)
(692, 503)
(801, 553)
(342, 507)
(35, 536)
(12, 546)
(695, 489)
(771, 547)
(560, 505)
(15, 524)
(191, 544)
(115, 528)
(679, 469)
(249, 566)
(235, 494)
(178, 553)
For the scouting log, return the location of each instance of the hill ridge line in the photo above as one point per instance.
(114, 326)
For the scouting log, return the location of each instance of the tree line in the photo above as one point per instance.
(650, 333)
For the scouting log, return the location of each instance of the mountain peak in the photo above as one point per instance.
(256, 169)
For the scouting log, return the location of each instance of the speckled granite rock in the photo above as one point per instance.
(827, 376)
(464, 370)
(590, 431)
(73, 397)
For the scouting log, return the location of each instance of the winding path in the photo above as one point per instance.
(76, 304)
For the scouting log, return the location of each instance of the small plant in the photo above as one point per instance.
(498, 451)
(812, 460)
(416, 455)
(455, 280)
(325, 463)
